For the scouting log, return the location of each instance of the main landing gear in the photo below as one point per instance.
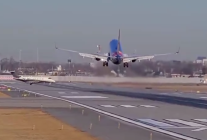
(105, 64)
(126, 65)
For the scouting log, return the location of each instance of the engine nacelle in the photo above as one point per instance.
(97, 59)
(134, 60)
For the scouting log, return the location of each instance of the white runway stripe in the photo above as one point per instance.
(201, 120)
(185, 122)
(164, 93)
(155, 123)
(74, 92)
(147, 106)
(200, 129)
(127, 106)
(84, 97)
(107, 106)
(61, 92)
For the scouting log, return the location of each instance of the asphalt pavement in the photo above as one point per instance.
(174, 114)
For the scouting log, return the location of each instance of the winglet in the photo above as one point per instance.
(14, 74)
(178, 50)
(99, 48)
(56, 46)
(118, 45)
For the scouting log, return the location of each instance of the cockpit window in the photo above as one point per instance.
(49, 78)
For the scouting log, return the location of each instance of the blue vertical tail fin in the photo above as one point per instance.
(118, 45)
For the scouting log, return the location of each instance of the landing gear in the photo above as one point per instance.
(105, 64)
(126, 65)
(31, 83)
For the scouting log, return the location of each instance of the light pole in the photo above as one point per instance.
(69, 61)
(20, 58)
(37, 61)
(3, 59)
(0, 64)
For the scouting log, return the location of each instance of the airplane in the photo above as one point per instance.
(116, 55)
(32, 80)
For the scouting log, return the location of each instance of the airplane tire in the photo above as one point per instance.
(104, 64)
(126, 65)
(107, 64)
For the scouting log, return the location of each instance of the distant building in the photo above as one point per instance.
(200, 59)
(59, 68)
(205, 62)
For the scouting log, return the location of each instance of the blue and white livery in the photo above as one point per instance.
(116, 55)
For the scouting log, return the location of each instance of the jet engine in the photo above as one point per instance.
(134, 60)
(97, 59)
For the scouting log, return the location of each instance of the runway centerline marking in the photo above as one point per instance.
(110, 106)
(164, 93)
(148, 106)
(180, 136)
(127, 106)
(61, 92)
(73, 92)
(84, 97)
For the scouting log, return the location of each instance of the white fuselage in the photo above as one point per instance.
(41, 79)
(117, 60)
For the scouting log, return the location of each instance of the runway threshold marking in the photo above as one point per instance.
(155, 123)
(115, 116)
(199, 129)
(201, 120)
(193, 124)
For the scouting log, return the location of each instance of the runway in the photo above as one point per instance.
(179, 115)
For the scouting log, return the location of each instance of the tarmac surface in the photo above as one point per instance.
(97, 125)
(180, 113)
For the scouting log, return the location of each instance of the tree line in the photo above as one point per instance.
(142, 68)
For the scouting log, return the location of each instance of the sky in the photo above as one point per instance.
(147, 26)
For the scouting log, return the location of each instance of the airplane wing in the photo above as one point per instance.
(35, 82)
(66, 50)
(93, 56)
(139, 58)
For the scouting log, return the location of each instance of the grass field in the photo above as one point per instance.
(31, 124)
(2, 95)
